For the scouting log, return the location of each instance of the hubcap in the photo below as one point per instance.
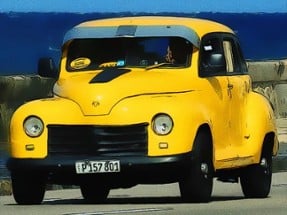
(264, 163)
(204, 168)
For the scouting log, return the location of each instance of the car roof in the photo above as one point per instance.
(201, 26)
(192, 29)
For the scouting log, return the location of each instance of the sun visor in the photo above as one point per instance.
(81, 32)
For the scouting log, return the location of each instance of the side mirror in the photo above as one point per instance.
(213, 64)
(47, 68)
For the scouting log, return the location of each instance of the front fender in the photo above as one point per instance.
(187, 117)
(260, 121)
(52, 110)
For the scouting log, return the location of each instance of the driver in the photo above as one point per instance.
(178, 51)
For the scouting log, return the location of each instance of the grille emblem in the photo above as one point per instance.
(95, 103)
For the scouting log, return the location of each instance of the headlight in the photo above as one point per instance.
(162, 124)
(33, 126)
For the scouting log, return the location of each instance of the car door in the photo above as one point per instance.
(213, 68)
(239, 86)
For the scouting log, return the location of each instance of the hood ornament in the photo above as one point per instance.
(95, 104)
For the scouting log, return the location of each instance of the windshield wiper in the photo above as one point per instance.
(157, 65)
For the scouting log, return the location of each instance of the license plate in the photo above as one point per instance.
(106, 166)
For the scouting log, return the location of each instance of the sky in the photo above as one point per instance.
(149, 6)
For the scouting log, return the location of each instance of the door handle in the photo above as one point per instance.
(230, 86)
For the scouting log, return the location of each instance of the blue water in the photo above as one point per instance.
(27, 36)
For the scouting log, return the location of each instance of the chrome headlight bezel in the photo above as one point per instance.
(33, 126)
(162, 124)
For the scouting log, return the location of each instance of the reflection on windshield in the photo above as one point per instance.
(92, 54)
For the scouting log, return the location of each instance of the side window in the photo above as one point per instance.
(229, 56)
(211, 59)
(220, 54)
(235, 63)
(242, 62)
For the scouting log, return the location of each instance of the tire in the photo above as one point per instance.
(256, 179)
(28, 188)
(94, 193)
(197, 184)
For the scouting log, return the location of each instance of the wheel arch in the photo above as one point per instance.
(268, 144)
(205, 128)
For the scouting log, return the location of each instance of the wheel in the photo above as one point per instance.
(94, 193)
(28, 188)
(197, 184)
(256, 179)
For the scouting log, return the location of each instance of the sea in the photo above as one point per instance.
(26, 37)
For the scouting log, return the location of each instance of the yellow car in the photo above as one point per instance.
(145, 100)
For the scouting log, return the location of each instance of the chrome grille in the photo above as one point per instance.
(97, 140)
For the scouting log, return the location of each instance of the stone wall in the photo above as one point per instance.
(270, 79)
(16, 90)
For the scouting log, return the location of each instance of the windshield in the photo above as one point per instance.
(92, 54)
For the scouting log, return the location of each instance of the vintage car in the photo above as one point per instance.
(145, 100)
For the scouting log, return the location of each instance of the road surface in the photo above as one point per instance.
(156, 199)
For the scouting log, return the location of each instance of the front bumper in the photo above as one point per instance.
(134, 169)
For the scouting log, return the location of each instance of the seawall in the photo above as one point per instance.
(270, 79)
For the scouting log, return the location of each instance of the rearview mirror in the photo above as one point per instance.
(47, 68)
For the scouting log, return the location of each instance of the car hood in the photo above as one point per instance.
(98, 93)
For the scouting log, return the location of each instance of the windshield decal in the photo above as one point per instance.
(80, 63)
(113, 63)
